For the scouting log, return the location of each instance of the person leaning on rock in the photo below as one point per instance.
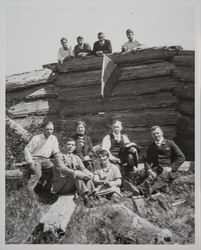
(70, 174)
(82, 49)
(162, 162)
(131, 45)
(65, 52)
(38, 152)
(102, 46)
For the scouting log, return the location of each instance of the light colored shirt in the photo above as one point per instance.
(111, 174)
(106, 143)
(128, 46)
(62, 53)
(40, 146)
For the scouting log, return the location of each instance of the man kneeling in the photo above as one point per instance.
(70, 174)
(108, 178)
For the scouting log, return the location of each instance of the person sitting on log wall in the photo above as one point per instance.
(102, 46)
(69, 174)
(84, 147)
(38, 152)
(131, 45)
(162, 162)
(82, 49)
(65, 52)
(121, 151)
(108, 178)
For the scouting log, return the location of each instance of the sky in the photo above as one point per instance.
(33, 28)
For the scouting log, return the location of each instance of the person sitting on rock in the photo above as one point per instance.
(84, 147)
(108, 178)
(70, 174)
(65, 52)
(102, 46)
(38, 152)
(162, 162)
(121, 151)
(82, 49)
(131, 45)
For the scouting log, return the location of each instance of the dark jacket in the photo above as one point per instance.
(106, 48)
(86, 150)
(167, 154)
(86, 48)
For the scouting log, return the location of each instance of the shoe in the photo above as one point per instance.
(88, 203)
(127, 185)
(147, 187)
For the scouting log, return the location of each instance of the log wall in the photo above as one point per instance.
(156, 87)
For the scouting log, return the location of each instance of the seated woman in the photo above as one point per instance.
(121, 151)
(84, 147)
(108, 178)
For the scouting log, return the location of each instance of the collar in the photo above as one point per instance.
(158, 143)
(117, 136)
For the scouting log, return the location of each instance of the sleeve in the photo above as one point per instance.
(95, 49)
(109, 47)
(91, 150)
(140, 44)
(29, 149)
(55, 147)
(60, 56)
(61, 167)
(148, 160)
(106, 143)
(177, 157)
(75, 51)
(117, 173)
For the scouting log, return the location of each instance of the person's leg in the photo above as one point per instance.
(64, 186)
(35, 177)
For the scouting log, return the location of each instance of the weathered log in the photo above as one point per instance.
(59, 214)
(80, 106)
(132, 87)
(143, 56)
(28, 79)
(184, 60)
(185, 90)
(78, 79)
(186, 107)
(18, 129)
(43, 91)
(39, 107)
(184, 73)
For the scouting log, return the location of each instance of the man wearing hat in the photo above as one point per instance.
(131, 45)
(82, 49)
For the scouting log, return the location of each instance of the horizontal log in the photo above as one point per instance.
(37, 92)
(28, 79)
(186, 107)
(39, 107)
(123, 88)
(142, 56)
(184, 73)
(59, 214)
(184, 60)
(186, 53)
(186, 126)
(80, 79)
(185, 90)
(74, 106)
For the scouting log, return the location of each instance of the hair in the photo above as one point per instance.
(69, 140)
(155, 127)
(100, 33)
(103, 152)
(129, 31)
(64, 38)
(80, 123)
(116, 121)
(79, 38)
(47, 123)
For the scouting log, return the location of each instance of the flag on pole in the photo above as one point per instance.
(110, 74)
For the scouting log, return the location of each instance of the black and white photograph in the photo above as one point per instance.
(101, 134)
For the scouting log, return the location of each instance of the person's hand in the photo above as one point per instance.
(99, 53)
(132, 150)
(115, 159)
(166, 170)
(152, 174)
(86, 158)
(107, 183)
(81, 175)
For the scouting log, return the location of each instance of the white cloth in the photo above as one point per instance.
(128, 46)
(106, 143)
(62, 53)
(40, 146)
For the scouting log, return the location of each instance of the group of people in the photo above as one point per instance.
(114, 169)
(100, 47)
